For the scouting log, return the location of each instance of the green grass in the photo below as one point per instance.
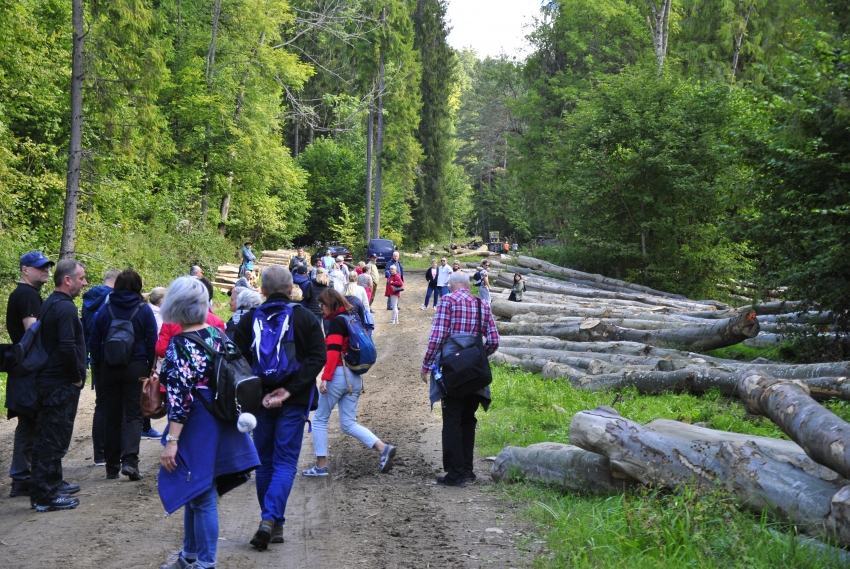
(416, 262)
(649, 528)
(744, 353)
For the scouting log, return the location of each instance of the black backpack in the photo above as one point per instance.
(235, 388)
(30, 352)
(477, 278)
(120, 339)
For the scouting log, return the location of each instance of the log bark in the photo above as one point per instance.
(720, 334)
(820, 432)
(565, 466)
(763, 484)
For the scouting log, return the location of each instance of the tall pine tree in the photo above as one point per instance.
(439, 68)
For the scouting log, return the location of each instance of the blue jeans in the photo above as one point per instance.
(428, 291)
(200, 529)
(337, 395)
(278, 438)
(444, 290)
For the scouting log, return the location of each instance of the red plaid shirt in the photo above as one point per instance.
(457, 313)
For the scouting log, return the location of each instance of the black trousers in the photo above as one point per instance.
(98, 425)
(459, 435)
(54, 426)
(122, 393)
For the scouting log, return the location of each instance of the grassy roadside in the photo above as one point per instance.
(647, 529)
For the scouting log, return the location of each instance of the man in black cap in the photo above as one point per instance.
(21, 312)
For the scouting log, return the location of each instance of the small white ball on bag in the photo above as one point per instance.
(246, 422)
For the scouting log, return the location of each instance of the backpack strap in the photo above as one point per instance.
(213, 353)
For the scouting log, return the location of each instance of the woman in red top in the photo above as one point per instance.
(340, 388)
(392, 283)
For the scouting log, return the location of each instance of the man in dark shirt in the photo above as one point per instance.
(21, 312)
(299, 259)
(58, 387)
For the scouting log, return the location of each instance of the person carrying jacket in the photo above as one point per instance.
(58, 386)
(280, 424)
(93, 299)
(339, 387)
(120, 383)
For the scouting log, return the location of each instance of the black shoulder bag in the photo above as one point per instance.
(467, 371)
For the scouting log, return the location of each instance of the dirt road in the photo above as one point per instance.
(354, 518)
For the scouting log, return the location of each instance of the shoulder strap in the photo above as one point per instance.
(479, 317)
(136, 311)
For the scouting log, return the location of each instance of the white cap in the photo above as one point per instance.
(339, 258)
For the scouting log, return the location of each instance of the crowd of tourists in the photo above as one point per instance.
(123, 335)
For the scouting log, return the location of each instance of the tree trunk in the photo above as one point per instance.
(821, 433)
(369, 129)
(719, 334)
(379, 151)
(295, 141)
(225, 211)
(75, 147)
(763, 484)
(565, 466)
(659, 26)
(740, 38)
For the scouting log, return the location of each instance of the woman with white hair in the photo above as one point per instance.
(241, 301)
(202, 456)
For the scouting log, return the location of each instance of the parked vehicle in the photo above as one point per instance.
(335, 251)
(383, 248)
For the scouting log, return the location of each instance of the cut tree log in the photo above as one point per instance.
(720, 334)
(763, 484)
(821, 433)
(565, 466)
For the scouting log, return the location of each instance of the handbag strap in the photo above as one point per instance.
(479, 317)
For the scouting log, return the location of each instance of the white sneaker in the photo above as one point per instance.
(423, 308)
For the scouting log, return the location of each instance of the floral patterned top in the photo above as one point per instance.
(188, 365)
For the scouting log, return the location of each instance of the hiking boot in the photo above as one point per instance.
(20, 488)
(263, 536)
(315, 471)
(67, 488)
(387, 459)
(469, 476)
(277, 534)
(112, 476)
(446, 481)
(131, 472)
(179, 563)
(60, 502)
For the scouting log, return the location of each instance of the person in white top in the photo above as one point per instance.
(444, 271)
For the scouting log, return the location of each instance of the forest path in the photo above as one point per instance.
(354, 518)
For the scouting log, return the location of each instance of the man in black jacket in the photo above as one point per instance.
(280, 425)
(58, 386)
(21, 312)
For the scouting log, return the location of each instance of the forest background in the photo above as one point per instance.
(677, 144)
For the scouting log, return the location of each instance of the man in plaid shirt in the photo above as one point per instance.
(457, 314)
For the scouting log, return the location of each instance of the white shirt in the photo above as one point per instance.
(443, 273)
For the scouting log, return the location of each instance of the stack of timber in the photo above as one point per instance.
(805, 482)
(226, 275)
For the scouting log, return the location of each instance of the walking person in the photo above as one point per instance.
(517, 289)
(22, 310)
(202, 456)
(395, 286)
(483, 282)
(341, 388)
(394, 262)
(280, 426)
(93, 299)
(155, 298)
(318, 285)
(301, 279)
(431, 278)
(456, 326)
(444, 271)
(58, 387)
(355, 295)
(120, 370)
(372, 267)
(364, 279)
(170, 329)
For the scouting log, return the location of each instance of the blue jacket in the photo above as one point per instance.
(210, 452)
(93, 299)
(123, 303)
(303, 282)
(398, 268)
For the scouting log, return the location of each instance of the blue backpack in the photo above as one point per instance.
(361, 349)
(274, 343)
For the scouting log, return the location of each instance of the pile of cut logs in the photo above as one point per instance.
(226, 275)
(599, 333)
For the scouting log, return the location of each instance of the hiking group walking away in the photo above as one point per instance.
(265, 361)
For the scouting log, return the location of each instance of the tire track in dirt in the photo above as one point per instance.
(354, 518)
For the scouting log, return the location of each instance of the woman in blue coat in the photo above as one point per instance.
(202, 456)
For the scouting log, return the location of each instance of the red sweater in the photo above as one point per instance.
(170, 330)
(393, 280)
(337, 344)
